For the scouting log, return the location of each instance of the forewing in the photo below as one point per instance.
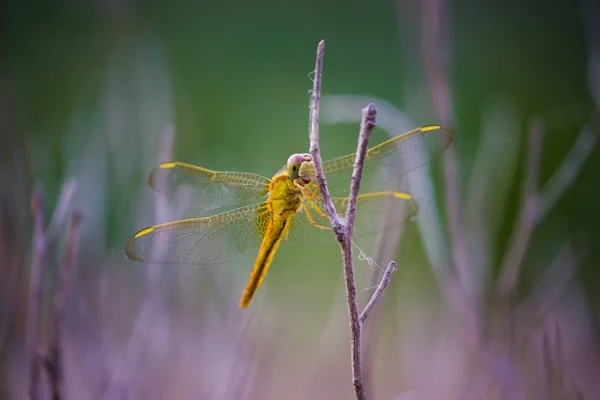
(211, 240)
(387, 162)
(190, 186)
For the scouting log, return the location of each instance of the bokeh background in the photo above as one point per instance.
(94, 93)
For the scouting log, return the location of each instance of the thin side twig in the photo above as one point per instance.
(54, 361)
(509, 271)
(35, 292)
(385, 282)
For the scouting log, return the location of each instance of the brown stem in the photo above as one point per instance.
(345, 231)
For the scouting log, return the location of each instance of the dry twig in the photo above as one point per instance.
(344, 231)
(338, 228)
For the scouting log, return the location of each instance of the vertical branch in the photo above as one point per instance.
(314, 142)
(54, 362)
(345, 231)
(35, 280)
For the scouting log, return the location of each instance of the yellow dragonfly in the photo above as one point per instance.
(287, 206)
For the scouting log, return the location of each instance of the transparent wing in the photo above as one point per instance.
(230, 235)
(190, 186)
(388, 161)
(370, 218)
(211, 240)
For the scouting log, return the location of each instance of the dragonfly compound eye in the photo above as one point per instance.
(293, 165)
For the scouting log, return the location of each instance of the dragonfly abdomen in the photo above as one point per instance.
(268, 248)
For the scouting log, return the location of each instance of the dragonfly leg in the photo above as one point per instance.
(318, 210)
(310, 218)
(311, 194)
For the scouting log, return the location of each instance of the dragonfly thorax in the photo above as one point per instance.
(285, 196)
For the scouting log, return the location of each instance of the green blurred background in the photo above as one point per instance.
(89, 89)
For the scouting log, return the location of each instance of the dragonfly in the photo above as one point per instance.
(260, 213)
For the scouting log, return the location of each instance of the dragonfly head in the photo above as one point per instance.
(301, 168)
